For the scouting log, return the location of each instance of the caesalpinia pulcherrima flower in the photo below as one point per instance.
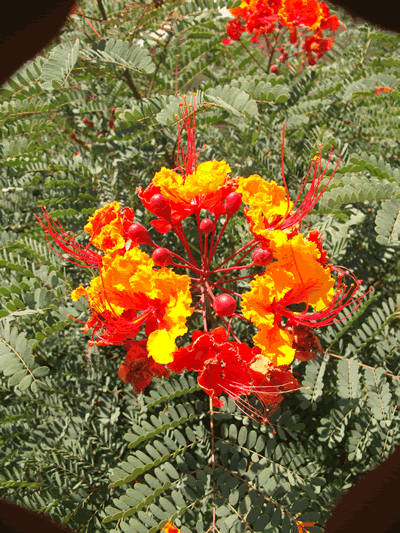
(170, 528)
(269, 19)
(137, 293)
(301, 526)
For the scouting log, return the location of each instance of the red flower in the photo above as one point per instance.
(234, 29)
(329, 22)
(317, 44)
(226, 367)
(138, 368)
(262, 19)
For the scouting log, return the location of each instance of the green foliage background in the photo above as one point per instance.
(75, 442)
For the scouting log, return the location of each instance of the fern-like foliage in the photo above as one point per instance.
(88, 121)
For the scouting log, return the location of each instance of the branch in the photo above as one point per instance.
(252, 56)
(102, 10)
(131, 85)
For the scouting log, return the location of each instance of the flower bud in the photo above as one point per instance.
(206, 226)
(138, 234)
(224, 305)
(262, 257)
(232, 202)
(274, 69)
(162, 257)
(159, 205)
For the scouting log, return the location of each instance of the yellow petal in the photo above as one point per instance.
(276, 344)
(161, 346)
(78, 292)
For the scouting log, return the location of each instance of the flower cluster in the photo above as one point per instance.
(293, 291)
(380, 88)
(306, 21)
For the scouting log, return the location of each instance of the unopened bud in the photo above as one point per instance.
(224, 305)
(274, 69)
(138, 234)
(206, 226)
(233, 202)
(162, 257)
(159, 205)
(262, 257)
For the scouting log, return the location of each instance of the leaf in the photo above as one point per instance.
(348, 378)
(387, 223)
(120, 54)
(59, 65)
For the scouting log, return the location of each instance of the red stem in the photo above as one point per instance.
(212, 240)
(203, 258)
(227, 326)
(237, 252)
(203, 303)
(212, 251)
(229, 269)
(182, 237)
(219, 282)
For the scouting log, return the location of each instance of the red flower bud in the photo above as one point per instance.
(160, 206)
(84, 120)
(262, 257)
(274, 69)
(224, 305)
(233, 202)
(162, 257)
(138, 234)
(206, 226)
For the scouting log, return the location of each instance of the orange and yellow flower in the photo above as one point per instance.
(295, 278)
(301, 13)
(107, 227)
(129, 285)
(201, 189)
(268, 202)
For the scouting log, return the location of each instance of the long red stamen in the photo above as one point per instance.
(68, 243)
(189, 158)
(312, 196)
(344, 296)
